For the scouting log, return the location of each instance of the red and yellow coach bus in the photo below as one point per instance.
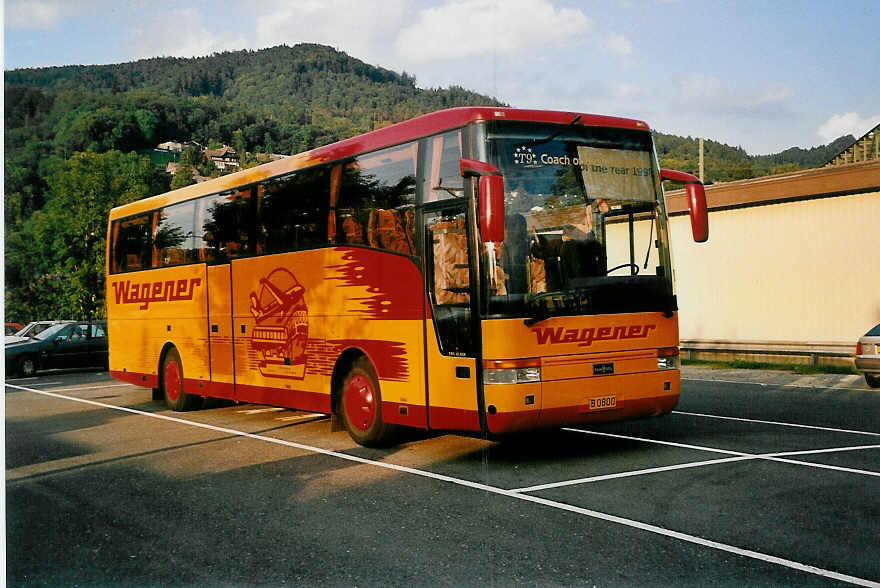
(473, 270)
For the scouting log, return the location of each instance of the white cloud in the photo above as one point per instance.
(628, 91)
(709, 94)
(364, 29)
(850, 123)
(494, 27)
(34, 14)
(180, 32)
(619, 44)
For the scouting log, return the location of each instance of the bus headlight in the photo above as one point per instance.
(667, 358)
(518, 371)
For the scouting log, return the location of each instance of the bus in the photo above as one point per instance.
(475, 270)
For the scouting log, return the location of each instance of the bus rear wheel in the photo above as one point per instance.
(360, 406)
(171, 383)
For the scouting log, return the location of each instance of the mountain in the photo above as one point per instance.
(723, 163)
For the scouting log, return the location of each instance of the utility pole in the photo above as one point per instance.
(701, 160)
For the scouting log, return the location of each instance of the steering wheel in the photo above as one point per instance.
(623, 265)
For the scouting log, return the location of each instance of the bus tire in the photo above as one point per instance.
(360, 406)
(872, 381)
(171, 383)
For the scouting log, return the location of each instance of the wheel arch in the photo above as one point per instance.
(343, 363)
(165, 349)
(157, 391)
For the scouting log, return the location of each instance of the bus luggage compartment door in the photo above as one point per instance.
(220, 331)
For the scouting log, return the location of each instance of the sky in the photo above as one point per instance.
(761, 75)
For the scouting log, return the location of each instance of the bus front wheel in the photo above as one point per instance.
(171, 383)
(360, 406)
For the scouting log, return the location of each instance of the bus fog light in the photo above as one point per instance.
(511, 371)
(499, 376)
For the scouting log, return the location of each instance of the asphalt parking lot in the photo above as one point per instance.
(758, 478)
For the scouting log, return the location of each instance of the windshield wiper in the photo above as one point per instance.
(554, 135)
(539, 318)
(551, 304)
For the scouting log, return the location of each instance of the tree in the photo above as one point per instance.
(267, 144)
(185, 167)
(55, 262)
(240, 147)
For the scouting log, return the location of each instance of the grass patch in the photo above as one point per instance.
(757, 365)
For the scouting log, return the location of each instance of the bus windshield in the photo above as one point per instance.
(585, 229)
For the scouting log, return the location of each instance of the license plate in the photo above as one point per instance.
(603, 403)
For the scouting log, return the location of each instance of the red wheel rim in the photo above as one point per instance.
(172, 380)
(360, 402)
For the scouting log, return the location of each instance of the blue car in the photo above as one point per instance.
(64, 345)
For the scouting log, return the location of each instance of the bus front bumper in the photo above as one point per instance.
(579, 401)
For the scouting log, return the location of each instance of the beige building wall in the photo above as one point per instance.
(804, 271)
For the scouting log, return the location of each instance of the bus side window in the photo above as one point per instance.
(174, 235)
(442, 176)
(226, 229)
(132, 248)
(376, 203)
(293, 210)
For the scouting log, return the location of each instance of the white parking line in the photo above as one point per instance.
(764, 456)
(494, 490)
(303, 417)
(681, 466)
(260, 410)
(77, 389)
(782, 424)
(696, 464)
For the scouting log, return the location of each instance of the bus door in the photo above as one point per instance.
(220, 333)
(451, 364)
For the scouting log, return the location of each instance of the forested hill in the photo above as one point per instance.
(298, 97)
(723, 163)
(79, 139)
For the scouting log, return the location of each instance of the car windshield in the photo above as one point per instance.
(875, 332)
(582, 234)
(33, 329)
(52, 332)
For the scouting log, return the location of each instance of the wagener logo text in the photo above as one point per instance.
(586, 337)
(170, 290)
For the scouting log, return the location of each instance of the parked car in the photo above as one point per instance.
(61, 345)
(12, 328)
(31, 329)
(868, 356)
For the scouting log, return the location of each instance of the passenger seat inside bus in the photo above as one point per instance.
(387, 229)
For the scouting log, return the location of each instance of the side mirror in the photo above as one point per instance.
(491, 197)
(697, 207)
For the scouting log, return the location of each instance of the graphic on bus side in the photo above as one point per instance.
(282, 325)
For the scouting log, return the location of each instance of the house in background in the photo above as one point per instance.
(866, 148)
(225, 158)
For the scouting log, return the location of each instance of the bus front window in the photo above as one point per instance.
(585, 231)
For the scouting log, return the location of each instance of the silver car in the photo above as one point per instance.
(868, 356)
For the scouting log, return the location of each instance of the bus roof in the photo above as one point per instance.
(414, 128)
